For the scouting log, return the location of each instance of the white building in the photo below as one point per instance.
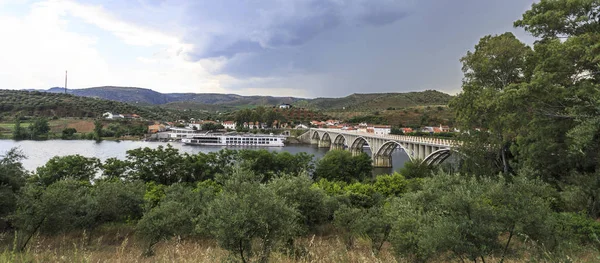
(229, 125)
(285, 106)
(382, 129)
(111, 116)
(301, 126)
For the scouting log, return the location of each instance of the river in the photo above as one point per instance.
(39, 152)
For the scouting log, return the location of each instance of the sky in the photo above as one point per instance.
(301, 48)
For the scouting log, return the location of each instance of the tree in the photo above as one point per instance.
(39, 127)
(68, 133)
(341, 165)
(12, 179)
(98, 130)
(465, 216)
(75, 167)
(19, 133)
(298, 192)
(209, 126)
(246, 211)
(493, 73)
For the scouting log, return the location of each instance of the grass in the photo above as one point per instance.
(118, 244)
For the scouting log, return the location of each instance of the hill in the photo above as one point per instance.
(148, 96)
(379, 101)
(220, 102)
(35, 103)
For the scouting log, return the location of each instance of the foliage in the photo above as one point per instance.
(46, 104)
(340, 165)
(19, 133)
(74, 167)
(39, 128)
(209, 126)
(465, 216)
(297, 191)
(246, 210)
(391, 185)
(68, 133)
(12, 179)
(416, 169)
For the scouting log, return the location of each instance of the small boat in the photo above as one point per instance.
(235, 140)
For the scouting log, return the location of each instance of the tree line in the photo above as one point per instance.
(256, 202)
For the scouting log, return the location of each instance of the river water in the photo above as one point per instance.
(39, 152)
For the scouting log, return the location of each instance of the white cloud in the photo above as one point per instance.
(38, 47)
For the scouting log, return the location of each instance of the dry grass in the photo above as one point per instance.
(119, 245)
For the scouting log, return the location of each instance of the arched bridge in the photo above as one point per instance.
(430, 150)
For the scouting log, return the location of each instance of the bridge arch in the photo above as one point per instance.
(437, 157)
(325, 141)
(388, 148)
(315, 138)
(356, 146)
(339, 142)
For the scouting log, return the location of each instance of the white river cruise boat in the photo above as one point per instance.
(235, 140)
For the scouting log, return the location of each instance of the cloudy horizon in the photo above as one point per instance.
(302, 48)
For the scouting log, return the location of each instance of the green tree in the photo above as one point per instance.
(19, 133)
(209, 126)
(310, 201)
(74, 167)
(492, 74)
(12, 179)
(246, 211)
(340, 165)
(465, 216)
(39, 128)
(98, 130)
(68, 133)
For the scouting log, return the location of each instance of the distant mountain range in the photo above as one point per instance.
(213, 101)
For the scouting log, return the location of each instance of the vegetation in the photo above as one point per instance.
(526, 186)
(45, 104)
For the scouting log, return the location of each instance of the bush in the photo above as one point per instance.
(74, 167)
(246, 211)
(340, 165)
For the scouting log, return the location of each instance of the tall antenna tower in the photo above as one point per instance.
(65, 82)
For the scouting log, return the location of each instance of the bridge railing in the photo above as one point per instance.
(404, 138)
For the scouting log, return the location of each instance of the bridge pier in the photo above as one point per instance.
(382, 161)
(314, 141)
(324, 144)
(336, 147)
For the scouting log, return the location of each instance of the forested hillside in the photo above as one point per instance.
(359, 102)
(34, 103)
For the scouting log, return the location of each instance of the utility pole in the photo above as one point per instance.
(65, 82)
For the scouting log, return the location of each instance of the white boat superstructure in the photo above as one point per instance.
(235, 140)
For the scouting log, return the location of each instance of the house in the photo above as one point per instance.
(135, 116)
(332, 122)
(111, 115)
(430, 129)
(127, 116)
(229, 125)
(362, 127)
(301, 126)
(382, 129)
(285, 106)
(251, 125)
(156, 128)
(406, 130)
(445, 128)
